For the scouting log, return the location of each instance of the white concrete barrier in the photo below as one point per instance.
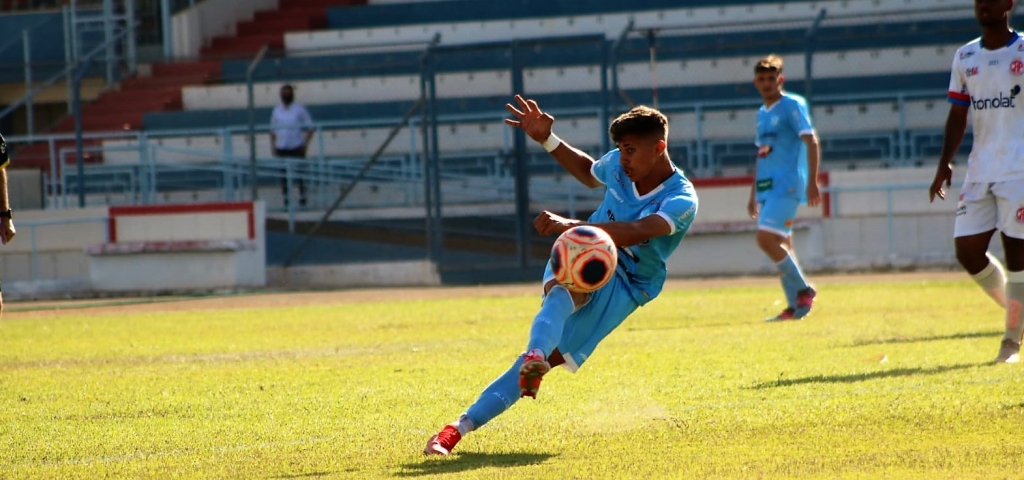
(357, 275)
(172, 248)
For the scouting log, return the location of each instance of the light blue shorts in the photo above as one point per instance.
(777, 215)
(606, 309)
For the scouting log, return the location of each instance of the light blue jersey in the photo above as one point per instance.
(782, 155)
(643, 266)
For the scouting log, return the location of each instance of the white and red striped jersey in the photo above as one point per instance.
(990, 83)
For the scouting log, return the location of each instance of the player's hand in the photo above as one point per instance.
(752, 207)
(944, 175)
(7, 230)
(548, 223)
(813, 194)
(530, 119)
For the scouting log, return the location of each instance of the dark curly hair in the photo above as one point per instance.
(640, 121)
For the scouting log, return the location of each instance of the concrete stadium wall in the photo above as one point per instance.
(25, 189)
(859, 234)
(360, 275)
(222, 247)
(60, 247)
(181, 248)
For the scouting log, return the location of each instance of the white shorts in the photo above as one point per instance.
(984, 207)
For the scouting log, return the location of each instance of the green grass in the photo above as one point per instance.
(692, 386)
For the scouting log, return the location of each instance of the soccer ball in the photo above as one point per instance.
(583, 259)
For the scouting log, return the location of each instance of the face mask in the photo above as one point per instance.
(287, 99)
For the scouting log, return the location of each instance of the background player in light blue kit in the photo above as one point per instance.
(648, 206)
(787, 175)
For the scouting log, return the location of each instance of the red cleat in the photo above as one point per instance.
(530, 374)
(443, 442)
(787, 314)
(804, 302)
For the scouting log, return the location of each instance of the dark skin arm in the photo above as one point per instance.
(956, 127)
(623, 233)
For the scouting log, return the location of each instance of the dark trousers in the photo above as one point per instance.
(293, 153)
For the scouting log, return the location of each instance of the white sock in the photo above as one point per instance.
(464, 424)
(1014, 301)
(993, 280)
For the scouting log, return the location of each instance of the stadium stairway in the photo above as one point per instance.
(269, 26)
(123, 109)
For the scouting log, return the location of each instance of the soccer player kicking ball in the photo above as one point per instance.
(787, 175)
(648, 206)
(987, 76)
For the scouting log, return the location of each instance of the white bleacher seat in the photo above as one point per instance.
(490, 136)
(760, 16)
(553, 80)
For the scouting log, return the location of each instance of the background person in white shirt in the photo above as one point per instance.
(291, 129)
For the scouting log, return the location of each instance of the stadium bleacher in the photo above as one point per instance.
(879, 73)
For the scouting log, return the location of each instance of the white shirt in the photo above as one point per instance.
(990, 83)
(288, 124)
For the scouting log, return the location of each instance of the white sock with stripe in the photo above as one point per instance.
(993, 280)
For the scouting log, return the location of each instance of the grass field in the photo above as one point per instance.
(887, 379)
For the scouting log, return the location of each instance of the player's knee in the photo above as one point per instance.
(578, 299)
(766, 241)
(972, 259)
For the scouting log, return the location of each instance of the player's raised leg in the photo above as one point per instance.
(546, 331)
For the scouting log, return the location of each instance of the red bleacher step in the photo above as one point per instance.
(280, 25)
(258, 40)
(290, 11)
(101, 122)
(115, 105)
(151, 83)
(37, 155)
(324, 4)
(186, 68)
(140, 95)
(243, 49)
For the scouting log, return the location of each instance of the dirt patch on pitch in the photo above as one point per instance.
(259, 300)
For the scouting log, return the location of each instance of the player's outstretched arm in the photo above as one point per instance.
(623, 233)
(813, 164)
(537, 125)
(956, 127)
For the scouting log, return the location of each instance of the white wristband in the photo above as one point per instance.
(551, 143)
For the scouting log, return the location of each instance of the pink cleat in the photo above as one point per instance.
(787, 314)
(804, 301)
(443, 442)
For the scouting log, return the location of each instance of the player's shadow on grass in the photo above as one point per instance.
(460, 462)
(929, 338)
(861, 377)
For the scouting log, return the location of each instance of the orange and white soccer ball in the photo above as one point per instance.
(583, 258)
